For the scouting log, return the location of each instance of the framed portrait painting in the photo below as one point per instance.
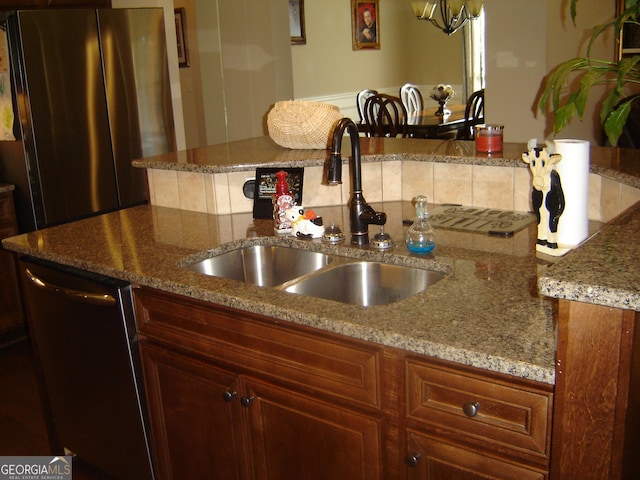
(296, 22)
(365, 24)
(181, 37)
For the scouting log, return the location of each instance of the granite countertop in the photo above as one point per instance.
(485, 312)
(622, 165)
(604, 271)
(493, 310)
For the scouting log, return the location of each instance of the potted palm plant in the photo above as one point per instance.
(624, 72)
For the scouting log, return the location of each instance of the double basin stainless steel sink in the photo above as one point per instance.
(321, 275)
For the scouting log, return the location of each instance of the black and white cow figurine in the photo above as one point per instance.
(547, 196)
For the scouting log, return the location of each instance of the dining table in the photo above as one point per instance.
(426, 124)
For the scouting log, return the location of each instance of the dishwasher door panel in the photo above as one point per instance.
(83, 332)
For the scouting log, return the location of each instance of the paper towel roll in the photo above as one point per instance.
(573, 169)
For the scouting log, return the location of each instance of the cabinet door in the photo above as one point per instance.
(196, 421)
(430, 459)
(298, 437)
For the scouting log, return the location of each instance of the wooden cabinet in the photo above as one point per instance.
(467, 425)
(193, 417)
(235, 395)
(23, 4)
(597, 406)
(12, 324)
(435, 459)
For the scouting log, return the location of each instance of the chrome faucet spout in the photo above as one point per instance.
(361, 214)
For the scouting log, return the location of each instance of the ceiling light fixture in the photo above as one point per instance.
(454, 13)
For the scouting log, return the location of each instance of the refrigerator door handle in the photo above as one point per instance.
(104, 300)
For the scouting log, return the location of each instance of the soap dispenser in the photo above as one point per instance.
(420, 237)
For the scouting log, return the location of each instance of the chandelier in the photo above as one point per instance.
(454, 13)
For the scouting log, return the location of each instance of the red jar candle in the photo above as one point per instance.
(489, 138)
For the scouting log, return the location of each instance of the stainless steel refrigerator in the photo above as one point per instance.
(91, 93)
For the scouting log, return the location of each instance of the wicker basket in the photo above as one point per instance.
(302, 124)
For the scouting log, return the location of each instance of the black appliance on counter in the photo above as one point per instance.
(91, 93)
(84, 339)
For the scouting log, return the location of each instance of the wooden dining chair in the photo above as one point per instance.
(361, 98)
(412, 100)
(385, 116)
(473, 115)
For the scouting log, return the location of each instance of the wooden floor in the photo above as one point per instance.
(22, 427)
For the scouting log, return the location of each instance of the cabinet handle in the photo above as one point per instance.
(246, 400)
(101, 299)
(228, 396)
(471, 409)
(413, 460)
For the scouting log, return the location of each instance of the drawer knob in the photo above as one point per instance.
(471, 409)
(246, 400)
(413, 460)
(228, 396)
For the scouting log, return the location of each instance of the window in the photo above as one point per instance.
(474, 55)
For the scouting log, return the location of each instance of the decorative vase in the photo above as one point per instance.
(442, 94)
(442, 111)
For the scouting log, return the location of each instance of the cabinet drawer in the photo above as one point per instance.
(433, 459)
(479, 408)
(317, 361)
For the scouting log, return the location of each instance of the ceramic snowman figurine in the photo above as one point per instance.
(304, 224)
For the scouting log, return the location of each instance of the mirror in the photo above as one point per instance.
(326, 68)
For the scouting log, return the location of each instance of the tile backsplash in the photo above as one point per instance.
(474, 185)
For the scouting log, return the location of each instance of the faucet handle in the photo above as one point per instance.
(371, 217)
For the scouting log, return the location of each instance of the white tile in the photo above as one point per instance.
(452, 183)
(492, 187)
(522, 189)
(166, 189)
(392, 181)
(417, 179)
(595, 197)
(628, 196)
(221, 192)
(371, 181)
(239, 203)
(192, 191)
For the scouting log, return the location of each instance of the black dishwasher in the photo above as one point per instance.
(83, 332)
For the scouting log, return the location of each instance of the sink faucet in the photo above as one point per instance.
(361, 214)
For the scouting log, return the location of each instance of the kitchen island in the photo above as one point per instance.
(494, 311)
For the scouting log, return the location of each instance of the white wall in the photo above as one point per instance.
(410, 51)
(525, 39)
(515, 64)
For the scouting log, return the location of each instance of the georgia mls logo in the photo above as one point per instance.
(35, 468)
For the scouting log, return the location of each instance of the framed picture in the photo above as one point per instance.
(365, 24)
(181, 37)
(629, 41)
(265, 188)
(296, 22)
